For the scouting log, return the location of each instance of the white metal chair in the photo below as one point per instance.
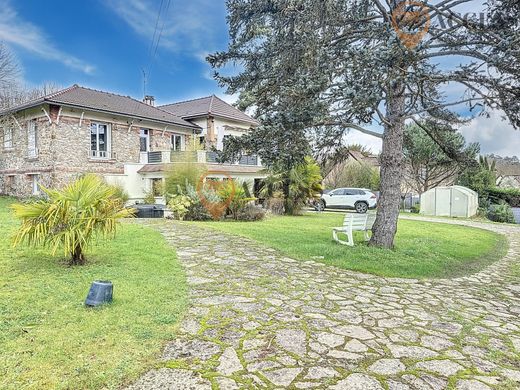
(351, 223)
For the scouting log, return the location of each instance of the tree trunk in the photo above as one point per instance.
(288, 203)
(385, 225)
(77, 257)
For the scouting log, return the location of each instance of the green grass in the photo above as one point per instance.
(422, 250)
(50, 340)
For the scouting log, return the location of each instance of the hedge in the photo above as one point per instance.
(509, 195)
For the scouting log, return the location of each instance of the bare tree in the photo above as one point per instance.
(17, 94)
(9, 69)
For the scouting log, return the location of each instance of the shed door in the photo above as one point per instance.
(442, 202)
(459, 204)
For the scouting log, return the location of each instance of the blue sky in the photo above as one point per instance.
(106, 44)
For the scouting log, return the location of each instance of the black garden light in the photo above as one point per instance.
(100, 292)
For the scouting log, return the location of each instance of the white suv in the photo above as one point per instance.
(359, 199)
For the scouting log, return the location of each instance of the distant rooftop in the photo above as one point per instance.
(209, 105)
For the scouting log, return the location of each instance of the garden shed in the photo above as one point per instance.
(454, 201)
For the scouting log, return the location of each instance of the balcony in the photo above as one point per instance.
(200, 156)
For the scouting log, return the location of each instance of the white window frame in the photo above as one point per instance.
(173, 143)
(98, 154)
(8, 140)
(32, 139)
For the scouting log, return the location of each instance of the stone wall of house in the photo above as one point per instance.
(17, 167)
(64, 148)
(160, 141)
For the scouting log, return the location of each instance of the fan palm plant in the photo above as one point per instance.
(71, 218)
(298, 185)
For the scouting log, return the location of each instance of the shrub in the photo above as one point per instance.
(501, 213)
(251, 212)
(180, 205)
(275, 203)
(359, 175)
(149, 197)
(71, 218)
(299, 185)
(119, 193)
(197, 211)
(236, 195)
(186, 171)
(416, 208)
(511, 196)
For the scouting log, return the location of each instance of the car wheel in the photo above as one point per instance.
(361, 207)
(320, 205)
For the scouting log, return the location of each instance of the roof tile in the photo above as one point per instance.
(209, 105)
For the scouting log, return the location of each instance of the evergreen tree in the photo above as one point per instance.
(340, 64)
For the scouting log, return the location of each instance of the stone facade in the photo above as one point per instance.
(63, 144)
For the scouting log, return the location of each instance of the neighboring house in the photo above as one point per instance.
(334, 172)
(54, 139)
(369, 159)
(508, 174)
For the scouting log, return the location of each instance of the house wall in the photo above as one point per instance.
(64, 147)
(16, 166)
(222, 127)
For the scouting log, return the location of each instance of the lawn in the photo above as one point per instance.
(422, 250)
(50, 340)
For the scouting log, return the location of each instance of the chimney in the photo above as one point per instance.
(150, 100)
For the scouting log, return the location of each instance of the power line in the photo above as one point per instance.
(151, 48)
(159, 37)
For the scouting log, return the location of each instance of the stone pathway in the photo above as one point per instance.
(259, 320)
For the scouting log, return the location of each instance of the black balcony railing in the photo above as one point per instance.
(154, 157)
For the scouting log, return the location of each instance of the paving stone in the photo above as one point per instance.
(355, 332)
(442, 367)
(358, 382)
(513, 375)
(330, 339)
(465, 384)
(171, 379)
(189, 349)
(293, 340)
(320, 373)
(347, 330)
(414, 352)
(355, 346)
(283, 376)
(345, 355)
(229, 362)
(436, 343)
(393, 385)
(387, 367)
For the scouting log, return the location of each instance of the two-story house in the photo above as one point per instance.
(54, 139)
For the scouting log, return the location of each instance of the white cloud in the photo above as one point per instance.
(188, 26)
(369, 141)
(14, 30)
(495, 135)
